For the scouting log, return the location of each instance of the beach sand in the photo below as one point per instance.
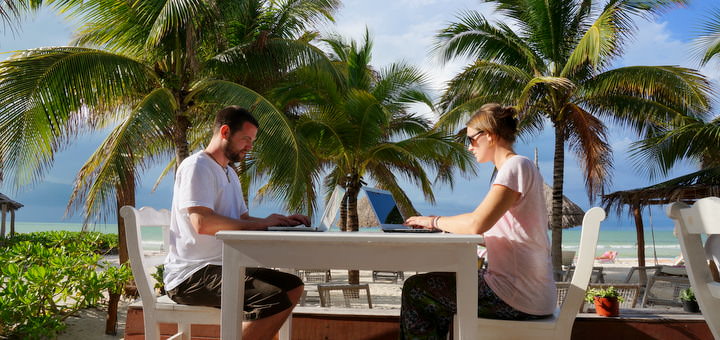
(90, 323)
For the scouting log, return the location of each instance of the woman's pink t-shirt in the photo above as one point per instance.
(518, 249)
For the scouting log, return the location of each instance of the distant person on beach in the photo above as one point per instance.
(207, 198)
(518, 283)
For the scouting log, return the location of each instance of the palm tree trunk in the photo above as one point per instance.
(125, 195)
(125, 192)
(182, 124)
(353, 189)
(557, 195)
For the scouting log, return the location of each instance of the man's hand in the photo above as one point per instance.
(300, 219)
(277, 219)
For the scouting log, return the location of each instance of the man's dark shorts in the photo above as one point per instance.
(265, 290)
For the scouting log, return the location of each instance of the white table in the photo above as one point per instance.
(336, 250)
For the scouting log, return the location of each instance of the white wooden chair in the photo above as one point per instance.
(162, 309)
(158, 309)
(559, 326)
(690, 223)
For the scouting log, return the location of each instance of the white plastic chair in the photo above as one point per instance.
(559, 326)
(690, 223)
(158, 309)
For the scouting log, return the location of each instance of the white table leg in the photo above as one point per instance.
(233, 295)
(467, 296)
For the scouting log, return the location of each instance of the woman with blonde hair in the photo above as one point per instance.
(518, 283)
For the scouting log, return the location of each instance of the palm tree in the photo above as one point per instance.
(158, 76)
(687, 137)
(551, 59)
(360, 127)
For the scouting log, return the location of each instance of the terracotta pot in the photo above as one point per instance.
(691, 306)
(607, 306)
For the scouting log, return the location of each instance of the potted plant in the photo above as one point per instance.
(687, 297)
(606, 300)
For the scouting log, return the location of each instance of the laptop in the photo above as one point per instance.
(328, 216)
(387, 212)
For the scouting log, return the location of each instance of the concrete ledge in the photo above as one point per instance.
(312, 323)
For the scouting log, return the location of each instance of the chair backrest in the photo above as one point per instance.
(583, 269)
(134, 220)
(690, 223)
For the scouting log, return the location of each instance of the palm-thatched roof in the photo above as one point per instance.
(689, 187)
(12, 205)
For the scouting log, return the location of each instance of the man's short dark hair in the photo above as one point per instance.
(234, 117)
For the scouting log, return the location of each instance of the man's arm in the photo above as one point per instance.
(292, 219)
(207, 222)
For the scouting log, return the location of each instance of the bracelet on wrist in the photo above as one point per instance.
(434, 224)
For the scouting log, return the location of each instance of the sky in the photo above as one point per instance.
(402, 30)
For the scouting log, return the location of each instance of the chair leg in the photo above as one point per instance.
(184, 328)
(286, 329)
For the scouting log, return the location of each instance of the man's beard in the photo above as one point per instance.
(234, 156)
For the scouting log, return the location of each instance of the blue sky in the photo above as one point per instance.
(401, 30)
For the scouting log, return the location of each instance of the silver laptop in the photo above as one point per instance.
(387, 212)
(328, 216)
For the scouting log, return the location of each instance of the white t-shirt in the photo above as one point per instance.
(199, 182)
(518, 248)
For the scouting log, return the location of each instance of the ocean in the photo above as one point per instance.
(620, 239)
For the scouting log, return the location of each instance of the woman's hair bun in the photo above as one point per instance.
(506, 112)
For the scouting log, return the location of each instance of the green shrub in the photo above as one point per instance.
(48, 276)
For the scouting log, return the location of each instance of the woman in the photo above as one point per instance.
(518, 284)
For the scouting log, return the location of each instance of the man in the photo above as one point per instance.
(208, 198)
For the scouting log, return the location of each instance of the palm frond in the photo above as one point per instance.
(599, 44)
(586, 136)
(126, 152)
(485, 79)
(41, 89)
(473, 36)
(644, 96)
(708, 42)
(689, 138)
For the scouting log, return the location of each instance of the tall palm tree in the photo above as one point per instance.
(360, 126)
(158, 73)
(551, 59)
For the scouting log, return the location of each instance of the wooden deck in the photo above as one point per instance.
(313, 323)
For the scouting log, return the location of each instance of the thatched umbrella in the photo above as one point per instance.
(6, 204)
(366, 216)
(572, 214)
(687, 188)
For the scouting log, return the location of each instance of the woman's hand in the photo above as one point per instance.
(420, 222)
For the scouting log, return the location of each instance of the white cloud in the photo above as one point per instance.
(654, 45)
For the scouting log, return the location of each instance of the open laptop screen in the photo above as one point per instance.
(384, 206)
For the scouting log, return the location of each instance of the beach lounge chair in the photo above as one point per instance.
(559, 325)
(162, 309)
(350, 293)
(690, 223)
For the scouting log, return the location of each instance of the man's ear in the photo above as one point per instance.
(225, 131)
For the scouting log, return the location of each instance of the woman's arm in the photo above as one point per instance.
(494, 205)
